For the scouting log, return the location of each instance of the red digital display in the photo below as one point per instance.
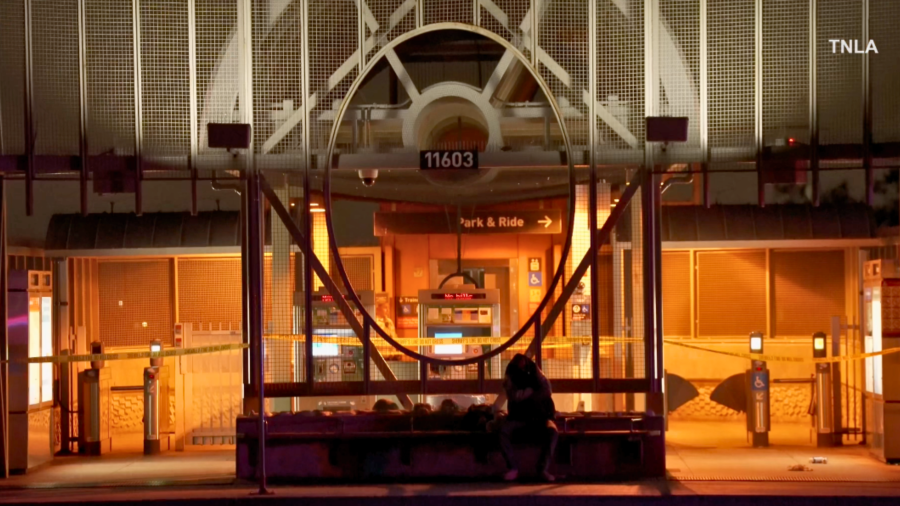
(458, 296)
(324, 298)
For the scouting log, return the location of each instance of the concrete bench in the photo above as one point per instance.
(388, 447)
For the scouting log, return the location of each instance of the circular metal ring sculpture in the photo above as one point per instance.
(345, 103)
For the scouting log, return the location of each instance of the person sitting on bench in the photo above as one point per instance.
(531, 409)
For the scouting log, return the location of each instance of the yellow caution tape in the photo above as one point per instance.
(778, 358)
(175, 352)
(431, 341)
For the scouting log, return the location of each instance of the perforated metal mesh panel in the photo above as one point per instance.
(676, 296)
(731, 293)
(135, 302)
(620, 80)
(563, 36)
(884, 65)
(785, 71)
(439, 11)
(731, 77)
(209, 292)
(12, 87)
(110, 77)
(164, 79)
(217, 64)
(808, 289)
(277, 79)
(333, 63)
(384, 20)
(678, 52)
(510, 19)
(55, 26)
(840, 76)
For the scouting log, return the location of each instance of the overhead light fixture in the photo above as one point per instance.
(317, 210)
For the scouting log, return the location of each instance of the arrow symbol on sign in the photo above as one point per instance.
(546, 221)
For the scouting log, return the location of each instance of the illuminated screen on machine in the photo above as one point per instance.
(458, 296)
(324, 298)
(448, 349)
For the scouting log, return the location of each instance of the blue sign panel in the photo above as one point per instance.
(535, 279)
(759, 381)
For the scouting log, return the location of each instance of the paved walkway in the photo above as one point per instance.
(707, 462)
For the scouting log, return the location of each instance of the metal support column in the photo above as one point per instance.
(867, 108)
(4, 341)
(420, 15)
(82, 108)
(307, 245)
(192, 101)
(758, 104)
(255, 231)
(813, 99)
(704, 101)
(138, 108)
(594, 247)
(254, 227)
(535, 7)
(28, 102)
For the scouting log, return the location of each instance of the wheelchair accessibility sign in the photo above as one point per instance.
(759, 381)
(535, 279)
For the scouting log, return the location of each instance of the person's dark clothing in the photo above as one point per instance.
(531, 410)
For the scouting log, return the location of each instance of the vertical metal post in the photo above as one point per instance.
(758, 102)
(192, 100)
(4, 341)
(837, 422)
(307, 245)
(867, 109)
(539, 339)
(28, 102)
(593, 224)
(647, 258)
(420, 13)
(704, 100)
(361, 34)
(814, 98)
(255, 232)
(82, 108)
(138, 108)
(255, 229)
(367, 354)
(476, 12)
(535, 8)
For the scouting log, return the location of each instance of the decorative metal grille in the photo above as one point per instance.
(135, 302)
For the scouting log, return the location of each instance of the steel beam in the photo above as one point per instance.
(4, 341)
(28, 102)
(758, 101)
(704, 95)
(82, 107)
(814, 99)
(138, 108)
(594, 248)
(867, 108)
(305, 243)
(192, 101)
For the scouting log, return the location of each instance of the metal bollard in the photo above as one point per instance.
(824, 411)
(151, 402)
(758, 420)
(151, 411)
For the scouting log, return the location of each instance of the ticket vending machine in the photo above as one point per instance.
(881, 295)
(457, 312)
(332, 362)
(34, 421)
